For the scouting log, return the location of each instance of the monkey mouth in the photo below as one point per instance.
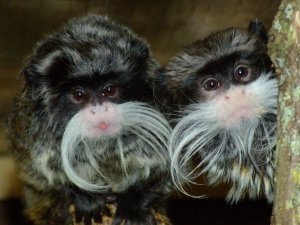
(103, 129)
(238, 105)
(103, 125)
(243, 112)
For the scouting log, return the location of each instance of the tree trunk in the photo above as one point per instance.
(284, 50)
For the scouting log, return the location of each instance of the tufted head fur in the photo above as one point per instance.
(225, 93)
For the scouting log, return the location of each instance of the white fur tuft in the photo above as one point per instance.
(143, 130)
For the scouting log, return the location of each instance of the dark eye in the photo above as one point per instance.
(79, 95)
(109, 90)
(242, 73)
(211, 84)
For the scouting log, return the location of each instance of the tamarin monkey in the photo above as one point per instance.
(84, 129)
(225, 90)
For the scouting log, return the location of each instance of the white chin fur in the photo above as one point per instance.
(194, 136)
(147, 125)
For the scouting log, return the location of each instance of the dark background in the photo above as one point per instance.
(168, 25)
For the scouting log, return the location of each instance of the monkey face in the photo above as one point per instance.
(90, 86)
(97, 99)
(227, 93)
(234, 86)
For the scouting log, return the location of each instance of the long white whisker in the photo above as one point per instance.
(122, 158)
(142, 129)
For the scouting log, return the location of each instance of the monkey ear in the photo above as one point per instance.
(257, 28)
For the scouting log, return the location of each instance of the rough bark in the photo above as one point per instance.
(284, 50)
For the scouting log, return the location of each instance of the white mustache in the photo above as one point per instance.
(149, 127)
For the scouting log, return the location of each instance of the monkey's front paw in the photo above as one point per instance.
(89, 214)
(134, 217)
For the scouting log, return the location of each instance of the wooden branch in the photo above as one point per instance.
(284, 50)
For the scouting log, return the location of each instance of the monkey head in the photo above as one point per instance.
(89, 88)
(225, 90)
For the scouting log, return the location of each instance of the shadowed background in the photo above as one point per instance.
(168, 25)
